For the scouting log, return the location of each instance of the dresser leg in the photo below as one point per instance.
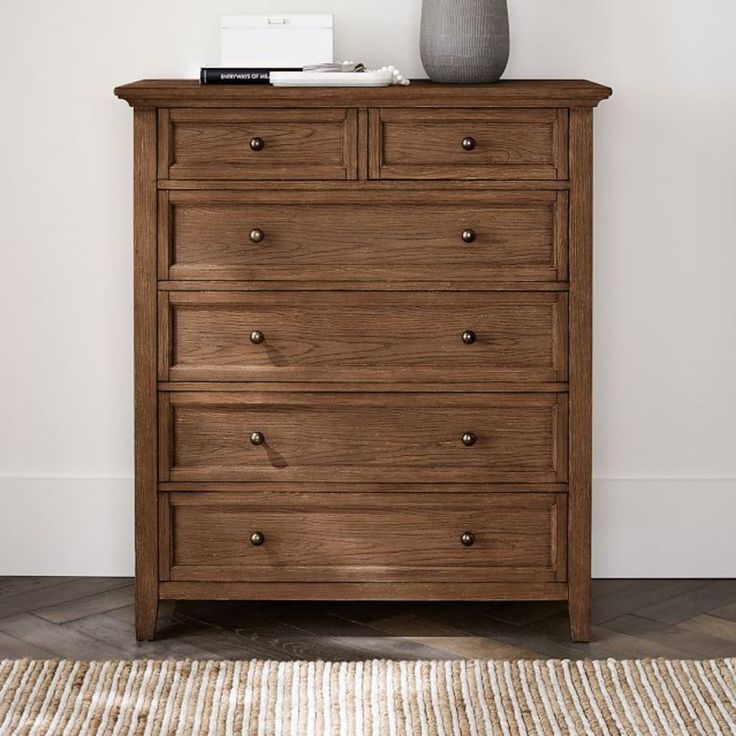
(146, 615)
(580, 619)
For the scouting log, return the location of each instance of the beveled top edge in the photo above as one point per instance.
(421, 93)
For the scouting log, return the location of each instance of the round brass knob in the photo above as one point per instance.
(468, 236)
(257, 438)
(256, 144)
(469, 143)
(469, 439)
(469, 337)
(257, 235)
(257, 337)
(467, 539)
(258, 538)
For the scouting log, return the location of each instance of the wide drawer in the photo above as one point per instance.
(258, 144)
(366, 336)
(360, 537)
(469, 144)
(429, 236)
(378, 437)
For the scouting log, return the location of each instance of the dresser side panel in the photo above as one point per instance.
(145, 346)
(580, 356)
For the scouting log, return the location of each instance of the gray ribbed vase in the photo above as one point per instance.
(465, 40)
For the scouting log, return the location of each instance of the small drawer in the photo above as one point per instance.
(381, 437)
(363, 336)
(497, 144)
(379, 237)
(356, 537)
(258, 144)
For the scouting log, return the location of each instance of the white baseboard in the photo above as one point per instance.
(641, 528)
(664, 528)
(66, 526)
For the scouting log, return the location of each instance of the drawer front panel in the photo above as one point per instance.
(469, 144)
(380, 437)
(259, 144)
(368, 336)
(355, 537)
(389, 237)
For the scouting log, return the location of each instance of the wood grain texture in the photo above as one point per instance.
(457, 590)
(145, 346)
(361, 186)
(362, 285)
(401, 236)
(581, 335)
(363, 145)
(509, 144)
(363, 487)
(435, 284)
(297, 144)
(354, 437)
(402, 387)
(349, 538)
(176, 93)
(327, 336)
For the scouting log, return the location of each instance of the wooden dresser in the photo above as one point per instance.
(363, 343)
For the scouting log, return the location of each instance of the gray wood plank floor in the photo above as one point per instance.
(92, 618)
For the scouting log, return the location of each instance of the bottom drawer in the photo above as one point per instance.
(355, 537)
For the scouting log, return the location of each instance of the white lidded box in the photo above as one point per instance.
(266, 41)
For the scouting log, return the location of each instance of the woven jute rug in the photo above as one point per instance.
(375, 697)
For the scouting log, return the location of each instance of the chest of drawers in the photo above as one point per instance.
(363, 343)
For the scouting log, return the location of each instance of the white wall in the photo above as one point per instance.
(665, 321)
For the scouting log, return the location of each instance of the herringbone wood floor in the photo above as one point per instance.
(92, 618)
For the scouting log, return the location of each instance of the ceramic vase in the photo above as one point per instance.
(464, 41)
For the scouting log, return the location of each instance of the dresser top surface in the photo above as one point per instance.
(420, 93)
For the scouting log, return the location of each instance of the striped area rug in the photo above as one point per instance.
(376, 697)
